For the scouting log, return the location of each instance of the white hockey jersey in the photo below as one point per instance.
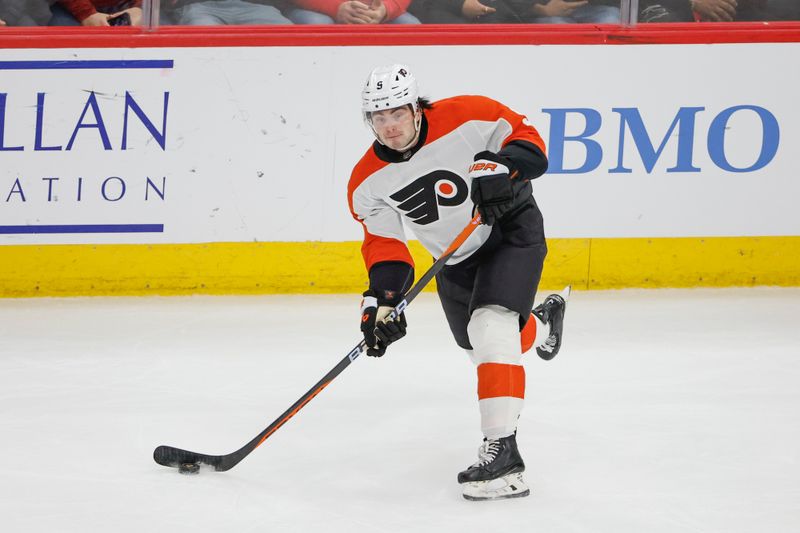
(430, 191)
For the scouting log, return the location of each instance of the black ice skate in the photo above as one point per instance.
(551, 311)
(497, 474)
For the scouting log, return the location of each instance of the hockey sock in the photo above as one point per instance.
(534, 333)
(501, 393)
(494, 334)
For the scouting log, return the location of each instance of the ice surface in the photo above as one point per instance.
(665, 411)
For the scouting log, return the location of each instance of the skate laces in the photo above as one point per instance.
(487, 452)
(549, 343)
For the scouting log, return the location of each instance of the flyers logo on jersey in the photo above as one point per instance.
(422, 198)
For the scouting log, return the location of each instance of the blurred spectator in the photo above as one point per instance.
(351, 12)
(518, 11)
(718, 10)
(572, 12)
(455, 11)
(95, 12)
(224, 12)
(765, 10)
(665, 11)
(784, 9)
(24, 12)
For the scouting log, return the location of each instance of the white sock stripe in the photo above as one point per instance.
(499, 416)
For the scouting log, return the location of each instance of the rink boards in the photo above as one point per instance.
(224, 169)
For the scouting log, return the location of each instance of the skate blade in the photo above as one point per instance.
(565, 293)
(510, 486)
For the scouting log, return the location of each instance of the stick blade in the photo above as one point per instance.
(174, 457)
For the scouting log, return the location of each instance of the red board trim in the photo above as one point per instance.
(396, 35)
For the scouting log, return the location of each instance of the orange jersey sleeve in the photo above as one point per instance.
(384, 235)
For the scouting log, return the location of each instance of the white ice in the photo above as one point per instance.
(666, 411)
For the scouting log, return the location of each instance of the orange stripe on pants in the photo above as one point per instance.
(498, 379)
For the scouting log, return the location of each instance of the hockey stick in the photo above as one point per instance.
(176, 458)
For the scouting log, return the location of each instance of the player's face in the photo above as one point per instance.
(395, 127)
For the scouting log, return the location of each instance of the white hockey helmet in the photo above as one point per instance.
(388, 87)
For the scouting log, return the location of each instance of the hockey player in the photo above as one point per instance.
(431, 166)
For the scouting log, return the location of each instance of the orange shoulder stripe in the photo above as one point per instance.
(450, 113)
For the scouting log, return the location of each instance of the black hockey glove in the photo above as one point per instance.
(379, 332)
(494, 185)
